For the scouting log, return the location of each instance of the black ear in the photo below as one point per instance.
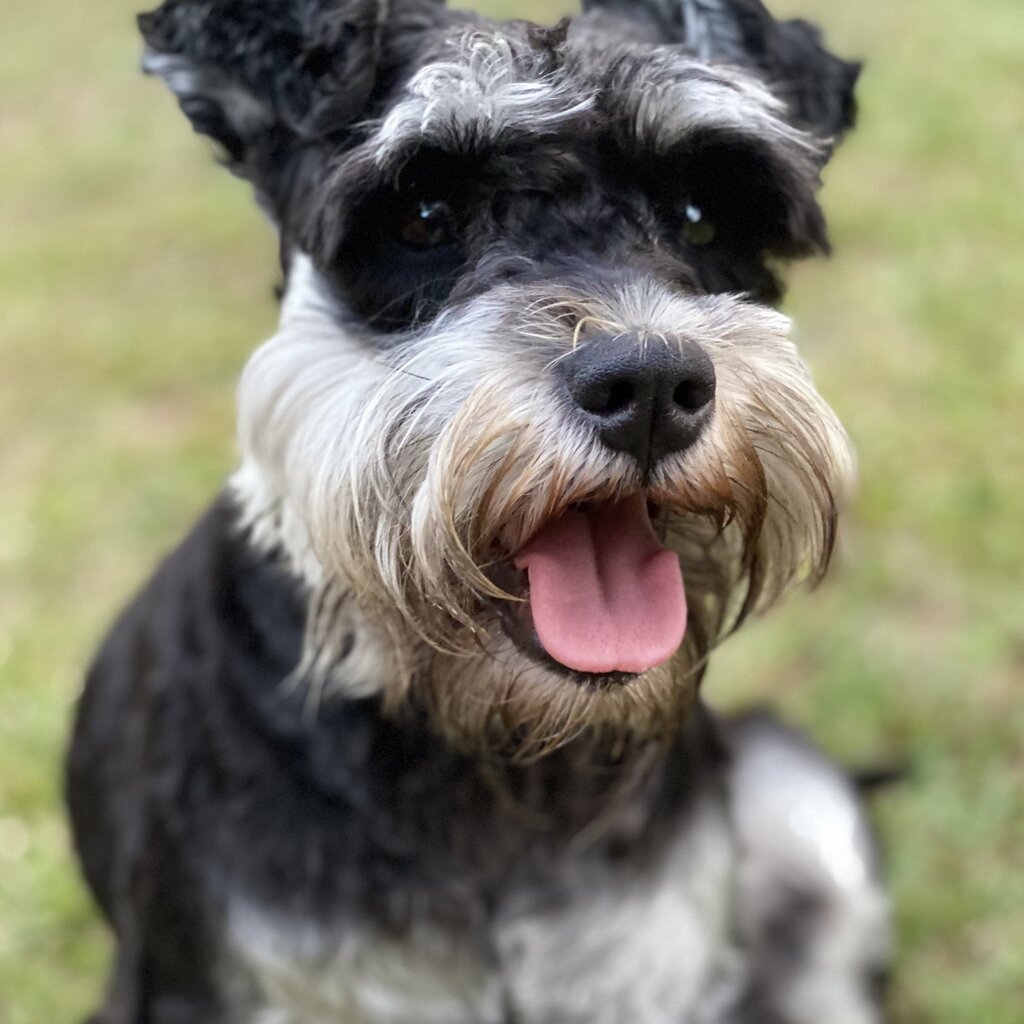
(249, 73)
(817, 86)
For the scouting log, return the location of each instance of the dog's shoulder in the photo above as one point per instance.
(812, 909)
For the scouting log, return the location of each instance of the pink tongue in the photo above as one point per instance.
(605, 595)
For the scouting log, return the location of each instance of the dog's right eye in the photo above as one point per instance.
(402, 252)
(404, 242)
(427, 224)
(698, 230)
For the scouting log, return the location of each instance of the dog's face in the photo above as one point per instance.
(530, 431)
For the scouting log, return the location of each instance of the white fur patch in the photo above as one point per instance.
(285, 971)
(673, 97)
(490, 88)
(310, 363)
(647, 948)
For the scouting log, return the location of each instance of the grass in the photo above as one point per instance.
(135, 277)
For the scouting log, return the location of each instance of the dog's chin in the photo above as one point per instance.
(512, 699)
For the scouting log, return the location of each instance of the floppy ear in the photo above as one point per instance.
(255, 75)
(817, 86)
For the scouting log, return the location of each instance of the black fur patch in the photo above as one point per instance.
(310, 63)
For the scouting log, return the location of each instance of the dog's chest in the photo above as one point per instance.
(616, 943)
(284, 971)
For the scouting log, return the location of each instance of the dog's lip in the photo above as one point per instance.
(516, 617)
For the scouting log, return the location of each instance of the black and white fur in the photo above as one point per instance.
(318, 773)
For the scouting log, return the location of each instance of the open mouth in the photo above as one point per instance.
(603, 598)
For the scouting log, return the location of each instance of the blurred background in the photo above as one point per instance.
(135, 277)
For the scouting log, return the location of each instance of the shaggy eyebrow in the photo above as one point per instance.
(487, 92)
(656, 104)
(513, 165)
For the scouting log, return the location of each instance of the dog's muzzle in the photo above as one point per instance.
(604, 596)
(647, 398)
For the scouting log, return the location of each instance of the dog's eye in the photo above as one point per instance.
(697, 229)
(428, 224)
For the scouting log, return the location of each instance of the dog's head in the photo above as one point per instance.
(531, 430)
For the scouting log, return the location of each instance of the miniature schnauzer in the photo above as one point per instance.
(407, 731)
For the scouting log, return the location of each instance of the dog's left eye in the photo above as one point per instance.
(428, 224)
(697, 229)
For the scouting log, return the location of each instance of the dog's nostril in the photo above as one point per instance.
(610, 398)
(693, 395)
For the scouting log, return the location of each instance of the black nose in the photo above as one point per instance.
(648, 399)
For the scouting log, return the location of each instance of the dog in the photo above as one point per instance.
(408, 728)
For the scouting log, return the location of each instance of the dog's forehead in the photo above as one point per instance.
(485, 86)
(510, 82)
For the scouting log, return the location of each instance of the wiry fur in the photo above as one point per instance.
(413, 475)
(490, 90)
(323, 769)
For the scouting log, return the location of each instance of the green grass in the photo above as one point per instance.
(135, 276)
